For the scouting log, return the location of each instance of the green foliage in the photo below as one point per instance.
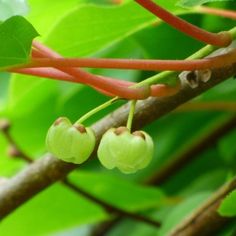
(89, 28)
(228, 207)
(16, 35)
(65, 209)
(193, 3)
(181, 211)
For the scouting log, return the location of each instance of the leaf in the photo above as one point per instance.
(193, 3)
(43, 13)
(56, 208)
(228, 206)
(44, 92)
(181, 211)
(16, 35)
(116, 191)
(227, 147)
(59, 208)
(106, 26)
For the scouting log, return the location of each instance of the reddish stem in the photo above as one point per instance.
(176, 65)
(217, 12)
(222, 39)
(158, 90)
(56, 75)
(97, 81)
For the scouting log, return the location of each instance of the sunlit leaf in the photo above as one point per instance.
(228, 206)
(193, 3)
(16, 35)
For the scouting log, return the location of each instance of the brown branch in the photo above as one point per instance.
(47, 170)
(14, 149)
(205, 220)
(180, 160)
(17, 152)
(176, 164)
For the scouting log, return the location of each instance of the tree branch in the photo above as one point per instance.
(110, 208)
(205, 220)
(17, 152)
(47, 170)
(176, 163)
(180, 160)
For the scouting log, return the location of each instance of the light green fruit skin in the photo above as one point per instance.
(127, 152)
(66, 143)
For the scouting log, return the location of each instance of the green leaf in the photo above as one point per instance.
(106, 26)
(228, 206)
(193, 3)
(55, 209)
(43, 13)
(181, 211)
(116, 191)
(16, 35)
(227, 147)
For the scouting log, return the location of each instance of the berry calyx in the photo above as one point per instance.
(70, 143)
(129, 152)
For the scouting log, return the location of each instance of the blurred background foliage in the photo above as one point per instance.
(106, 29)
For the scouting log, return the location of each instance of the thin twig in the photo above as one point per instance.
(110, 208)
(217, 11)
(222, 39)
(47, 170)
(176, 164)
(180, 160)
(106, 206)
(205, 220)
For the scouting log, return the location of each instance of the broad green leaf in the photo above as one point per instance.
(106, 26)
(193, 3)
(16, 35)
(115, 191)
(74, 25)
(59, 208)
(43, 13)
(227, 148)
(55, 209)
(228, 206)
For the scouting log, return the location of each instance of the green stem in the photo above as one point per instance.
(95, 110)
(170, 77)
(233, 32)
(166, 77)
(131, 114)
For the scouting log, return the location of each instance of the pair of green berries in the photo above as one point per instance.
(118, 148)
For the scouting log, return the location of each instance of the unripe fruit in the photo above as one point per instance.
(128, 152)
(70, 143)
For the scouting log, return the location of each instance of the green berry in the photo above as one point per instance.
(125, 151)
(70, 143)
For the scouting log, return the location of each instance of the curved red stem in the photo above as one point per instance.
(218, 12)
(96, 81)
(176, 65)
(222, 39)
